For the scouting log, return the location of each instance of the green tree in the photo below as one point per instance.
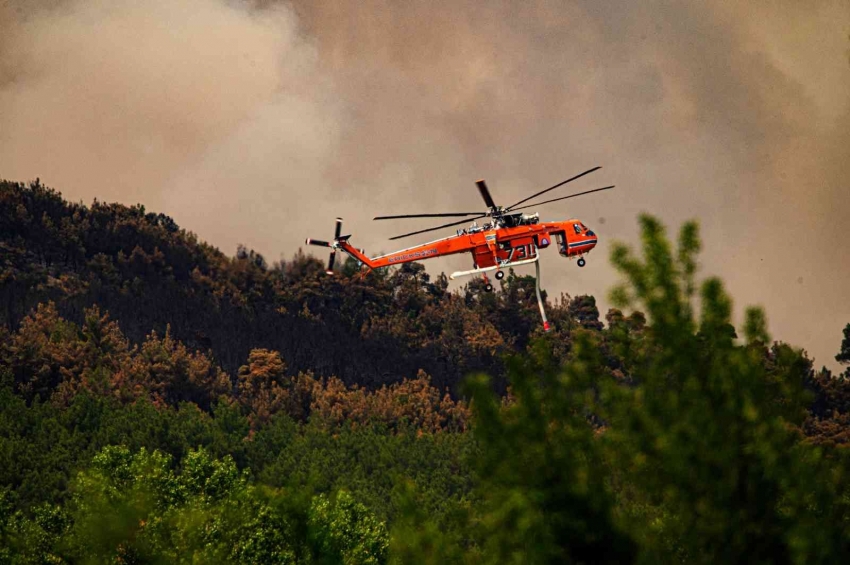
(343, 531)
(706, 444)
(543, 483)
(843, 355)
(584, 310)
(138, 508)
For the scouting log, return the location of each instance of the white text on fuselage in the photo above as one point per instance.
(413, 255)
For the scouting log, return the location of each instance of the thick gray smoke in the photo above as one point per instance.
(259, 123)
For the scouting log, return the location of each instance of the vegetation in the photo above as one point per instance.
(161, 402)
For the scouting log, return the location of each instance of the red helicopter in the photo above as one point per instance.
(508, 239)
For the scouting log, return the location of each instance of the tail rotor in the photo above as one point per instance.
(332, 245)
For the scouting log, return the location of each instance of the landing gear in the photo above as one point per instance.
(581, 262)
(500, 275)
(487, 286)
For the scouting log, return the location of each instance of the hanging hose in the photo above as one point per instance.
(546, 326)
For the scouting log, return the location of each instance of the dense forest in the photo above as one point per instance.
(161, 401)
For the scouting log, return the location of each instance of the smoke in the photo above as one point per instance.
(118, 99)
(260, 122)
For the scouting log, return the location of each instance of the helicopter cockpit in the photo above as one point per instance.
(582, 229)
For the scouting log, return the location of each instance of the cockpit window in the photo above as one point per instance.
(578, 229)
(589, 233)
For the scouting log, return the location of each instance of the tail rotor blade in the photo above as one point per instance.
(338, 230)
(330, 269)
(485, 193)
(318, 242)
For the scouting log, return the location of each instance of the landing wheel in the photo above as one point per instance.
(500, 275)
(488, 287)
(581, 262)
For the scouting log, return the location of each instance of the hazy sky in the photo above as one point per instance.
(258, 123)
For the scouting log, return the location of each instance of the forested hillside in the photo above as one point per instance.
(149, 274)
(161, 401)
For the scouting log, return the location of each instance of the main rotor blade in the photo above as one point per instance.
(509, 208)
(485, 193)
(447, 215)
(562, 198)
(439, 227)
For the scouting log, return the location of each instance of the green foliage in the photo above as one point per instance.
(44, 446)
(692, 453)
(545, 498)
(755, 326)
(659, 438)
(584, 310)
(312, 457)
(843, 355)
(705, 444)
(344, 531)
(136, 507)
(417, 538)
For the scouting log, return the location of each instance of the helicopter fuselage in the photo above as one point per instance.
(509, 238)
(492, 246)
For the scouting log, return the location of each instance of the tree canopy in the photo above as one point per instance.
(162, 402)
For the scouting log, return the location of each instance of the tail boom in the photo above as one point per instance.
(343, 244)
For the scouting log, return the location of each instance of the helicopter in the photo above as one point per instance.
(508, 238)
